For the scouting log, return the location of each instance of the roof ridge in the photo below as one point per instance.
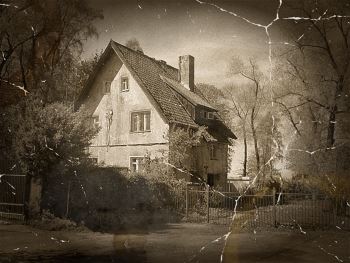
(143, 54)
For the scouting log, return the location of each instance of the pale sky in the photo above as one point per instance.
(168, 29)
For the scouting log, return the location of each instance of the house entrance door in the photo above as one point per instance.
(210, 179)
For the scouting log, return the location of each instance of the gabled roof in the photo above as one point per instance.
(158, 80)
(147, 72)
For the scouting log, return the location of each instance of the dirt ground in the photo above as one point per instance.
(168, 243)
(289, 246)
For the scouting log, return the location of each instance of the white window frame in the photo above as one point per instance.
(211, 115)
(96, 120)
(136, 162)
(213, 151)
(205, 114)
(122, 86)
(107, 87)
(141, 122)
(93, 159)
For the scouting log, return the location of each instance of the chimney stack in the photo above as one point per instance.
(186, 71)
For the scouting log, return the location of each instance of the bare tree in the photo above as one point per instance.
(323, 44)
(239, 109)
(251, 73)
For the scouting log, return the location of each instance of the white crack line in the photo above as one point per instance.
(16, 86)
(266, 28)
(331, 254)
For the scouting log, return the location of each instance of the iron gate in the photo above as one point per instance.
(207, 205)
(12, 196)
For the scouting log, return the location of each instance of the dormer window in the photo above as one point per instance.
(211, 115)
(107, 87)
(208, 115)
(124, 84)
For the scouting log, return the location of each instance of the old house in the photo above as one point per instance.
(137, 100)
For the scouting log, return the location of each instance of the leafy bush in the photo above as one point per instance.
(48, 221)
(41, 135)
(104, 198)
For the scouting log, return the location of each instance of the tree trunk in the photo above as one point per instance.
(245, 151)
(255, 139)
(331, 127)
(332, 114)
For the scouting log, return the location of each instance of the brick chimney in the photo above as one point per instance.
(186, 71)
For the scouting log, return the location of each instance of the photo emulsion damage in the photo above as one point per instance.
(175, 131)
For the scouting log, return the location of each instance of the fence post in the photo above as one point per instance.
(274, 207)
(186, 201)
(208, 199)
(68, 197)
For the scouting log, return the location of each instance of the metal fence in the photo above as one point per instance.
(12, 196)
(207, 205)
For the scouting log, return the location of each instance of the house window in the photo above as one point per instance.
(107, 87)
(208, 115)
(93, 160)
(137, 164)
(213, 152)
(140, 121)
(124, 84)
(191, 132)
(95, 121)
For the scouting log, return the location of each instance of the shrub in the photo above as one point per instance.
(41, 135)
(104, 198)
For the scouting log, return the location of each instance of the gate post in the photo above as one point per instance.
(274, 207)
(34, 196)
(68, 199)
(186, 201)
(208, 200)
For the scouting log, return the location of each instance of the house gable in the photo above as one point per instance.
(113, 109)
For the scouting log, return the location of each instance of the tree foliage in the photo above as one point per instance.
(42, 135)
(39, 39)
(41, 43)
(181, 144)
(134, 44)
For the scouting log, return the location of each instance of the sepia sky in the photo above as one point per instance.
(168, 29)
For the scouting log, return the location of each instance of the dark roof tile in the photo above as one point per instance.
(189, 95)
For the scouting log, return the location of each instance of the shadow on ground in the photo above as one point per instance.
(154, 243)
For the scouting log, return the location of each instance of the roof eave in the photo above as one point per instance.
(92, 77)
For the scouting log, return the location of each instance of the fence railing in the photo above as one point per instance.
(12, 196)
(206, 205)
